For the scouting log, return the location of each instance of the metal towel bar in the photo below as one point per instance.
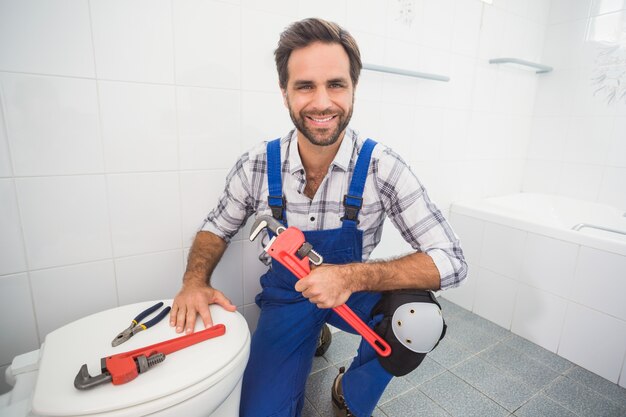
(399, 71)
(540, 67)
(593, 226)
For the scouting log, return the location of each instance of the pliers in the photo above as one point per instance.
(135, 327)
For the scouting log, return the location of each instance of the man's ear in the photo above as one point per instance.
(284, 93)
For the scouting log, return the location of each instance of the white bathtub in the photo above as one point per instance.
(531, 273)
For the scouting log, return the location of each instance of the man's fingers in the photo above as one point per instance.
(205, 315)
(190, 320)
(221, 299)
(173, 313)
(180, 319)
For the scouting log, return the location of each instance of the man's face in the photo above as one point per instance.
(319, 93)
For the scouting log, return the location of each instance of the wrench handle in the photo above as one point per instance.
(283, 248)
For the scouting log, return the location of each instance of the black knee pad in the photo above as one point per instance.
(402, 359)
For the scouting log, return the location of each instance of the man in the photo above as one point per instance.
(327, 181)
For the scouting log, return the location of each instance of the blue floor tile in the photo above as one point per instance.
(413, 404)
(459, 398)
(581, 400)
(600, 385)
(542, 406)
(507, 391)
(519, 365)
(544, 356)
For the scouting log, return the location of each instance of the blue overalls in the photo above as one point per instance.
(289, 325)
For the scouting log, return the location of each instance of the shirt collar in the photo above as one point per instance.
(341, 161)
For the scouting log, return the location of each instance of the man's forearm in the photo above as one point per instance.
(413, 271)
(205, 253)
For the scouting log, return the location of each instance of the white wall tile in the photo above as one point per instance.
(52, 125)
(555, 94)
(466, 27)
(260, 33)
(367, 117)
(491, 33)
(17, 318)
(207, 50)
(332, 10)
(613, 188)
(599, 7)
(484, 94)
(565, 10)
(495, 297)
(286, 7)
(600, 270)
(263, 117)
(227, 276)
(617, 149)
(6, 166)
(465, 294)
(251, 313)
(588, 139)
(154, 276)
(503, 249)
(145, 213)
(209, 127)
(46, 37)
(548, 138)
(138, 126)
(133, 40)
(470, 231)
(582, 331)
(548, 264)
(538, 317)
(541, 177)
(427, 136)
(366, 15)
(200, 192)
(64, 220)
(437, 24)
(396, 121)
(580, 181)
(63, 295)
(12, 258)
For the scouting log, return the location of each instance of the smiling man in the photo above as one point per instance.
(338, 188)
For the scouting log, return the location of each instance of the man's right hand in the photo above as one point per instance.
(194, 299)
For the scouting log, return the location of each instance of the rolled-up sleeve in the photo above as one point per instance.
(234, 205)
(418, 219)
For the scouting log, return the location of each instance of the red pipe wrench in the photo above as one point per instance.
(124, 367)
(289, 247)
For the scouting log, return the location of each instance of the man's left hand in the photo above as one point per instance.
(327, 286)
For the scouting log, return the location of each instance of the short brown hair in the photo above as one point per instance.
(303, 33)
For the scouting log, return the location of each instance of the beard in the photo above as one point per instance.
(321, 136)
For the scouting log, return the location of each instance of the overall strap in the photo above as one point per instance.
(353, 201)
(275, 199)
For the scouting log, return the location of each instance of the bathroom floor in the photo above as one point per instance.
(479, 369)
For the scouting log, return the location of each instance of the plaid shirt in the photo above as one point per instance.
(391, 190)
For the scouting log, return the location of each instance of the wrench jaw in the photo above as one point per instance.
(85, 381)
(266, 222)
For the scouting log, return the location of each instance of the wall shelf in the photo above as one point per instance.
(398, 71)
(541, 69)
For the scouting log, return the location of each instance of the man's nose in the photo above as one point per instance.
(321, 100)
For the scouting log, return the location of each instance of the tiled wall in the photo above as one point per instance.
(578, 141)
(566, 297)
(120, 119)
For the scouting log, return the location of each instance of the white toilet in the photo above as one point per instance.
(201, 380)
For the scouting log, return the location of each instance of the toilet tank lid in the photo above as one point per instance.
(87, 340)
